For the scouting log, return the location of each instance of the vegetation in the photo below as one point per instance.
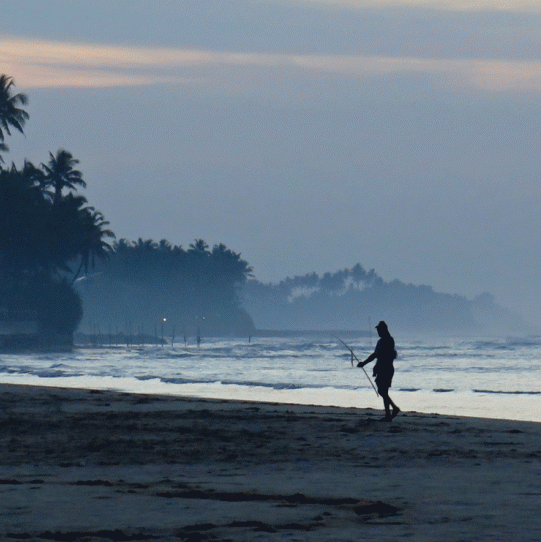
(350, 298)
(48, 234)
(54, 248)
(145, 282)
(11, 115)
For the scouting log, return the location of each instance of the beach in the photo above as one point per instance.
(93, 465)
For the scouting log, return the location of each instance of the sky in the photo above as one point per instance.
(308, 135)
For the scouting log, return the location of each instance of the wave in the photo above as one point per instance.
(54, 374)
(409, 389)
(511, 343)
(174, 380)
(501, 392)
(240, 383)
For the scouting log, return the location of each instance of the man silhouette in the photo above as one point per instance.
(385, 353)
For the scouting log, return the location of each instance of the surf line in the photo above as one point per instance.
(354, 356)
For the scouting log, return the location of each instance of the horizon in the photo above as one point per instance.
(305, 135)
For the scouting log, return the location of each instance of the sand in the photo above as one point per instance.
(81, 465)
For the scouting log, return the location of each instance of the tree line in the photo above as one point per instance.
(351, 298)
(54, 246)
(58, 255)
(145, 285)
(48, 233)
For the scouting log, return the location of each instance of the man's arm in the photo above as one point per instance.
(370, 358)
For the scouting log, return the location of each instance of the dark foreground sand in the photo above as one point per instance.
(79, 465)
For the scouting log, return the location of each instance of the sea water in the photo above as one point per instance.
(491, 378)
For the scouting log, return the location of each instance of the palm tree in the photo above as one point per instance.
(11, 115)
(92, 239)
(358, 275)
(60, 173)
(22, 222)
(65, 232)
(199, 247)
(229, 265)
(333, 283)
(144, 245)
(3, 148)
(37, 178)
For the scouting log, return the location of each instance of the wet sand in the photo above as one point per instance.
(80, 465)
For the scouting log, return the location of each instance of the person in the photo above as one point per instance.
(385, 354)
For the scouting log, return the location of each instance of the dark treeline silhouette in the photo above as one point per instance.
(45, 241)
(48, 235)
(350, 298)
(11, 115)
(149, 287)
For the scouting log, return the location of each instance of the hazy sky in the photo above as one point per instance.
(308, 135)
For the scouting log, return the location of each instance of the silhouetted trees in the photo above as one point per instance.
(350, 298)
(44, 243)
(11, 115)
(46, 236)
(60, 173)
(145, 282)
(49, 235)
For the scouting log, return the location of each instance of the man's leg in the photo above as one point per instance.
(384, 392)
(387, 403)
(396, 410)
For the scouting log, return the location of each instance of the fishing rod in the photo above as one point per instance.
(354, 356)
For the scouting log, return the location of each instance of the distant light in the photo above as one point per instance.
(165, 319)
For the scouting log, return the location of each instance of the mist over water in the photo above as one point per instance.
(494, 378)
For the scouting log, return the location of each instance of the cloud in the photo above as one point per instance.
(449, 5)
(52, 64)
(436, 28)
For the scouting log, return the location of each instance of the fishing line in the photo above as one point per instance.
(354, 356)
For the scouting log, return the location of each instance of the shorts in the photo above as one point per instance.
(384, 379)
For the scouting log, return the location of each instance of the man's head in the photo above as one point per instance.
(382, 328)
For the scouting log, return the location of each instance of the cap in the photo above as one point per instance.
(382, 325)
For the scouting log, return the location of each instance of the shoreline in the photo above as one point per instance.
(470, 404)
(103, 465)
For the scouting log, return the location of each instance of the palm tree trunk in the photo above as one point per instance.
(78, 270)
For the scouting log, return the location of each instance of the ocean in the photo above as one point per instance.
(482, 377)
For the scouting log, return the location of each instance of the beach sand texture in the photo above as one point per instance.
(82, 465)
